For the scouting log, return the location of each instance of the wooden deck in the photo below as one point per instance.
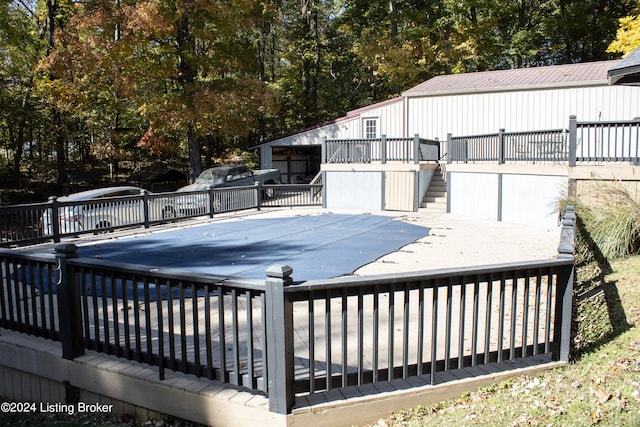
(32, 365)
(33, 369)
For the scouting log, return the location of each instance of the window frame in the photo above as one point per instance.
(365, 127)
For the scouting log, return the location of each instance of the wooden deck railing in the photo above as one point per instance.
(54, 219)
(282, 337)
(582, 142)
(382, 150)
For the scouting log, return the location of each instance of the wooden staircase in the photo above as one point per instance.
(435, 199)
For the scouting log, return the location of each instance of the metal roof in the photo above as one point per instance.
(570, 75)
(627, 71)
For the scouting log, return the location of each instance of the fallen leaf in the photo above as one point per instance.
(602, 396)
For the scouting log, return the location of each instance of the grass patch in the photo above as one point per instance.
(601, 387)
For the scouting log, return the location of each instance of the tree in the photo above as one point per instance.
(21, 49)
(184, 67)
(628, 35)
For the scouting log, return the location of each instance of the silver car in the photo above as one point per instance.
(103, 209)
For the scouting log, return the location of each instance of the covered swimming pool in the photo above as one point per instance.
(316, 246)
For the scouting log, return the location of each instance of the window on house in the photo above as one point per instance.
(371, 128)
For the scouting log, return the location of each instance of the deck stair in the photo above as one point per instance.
(435, 199)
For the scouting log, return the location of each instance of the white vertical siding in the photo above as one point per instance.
(532, 199)
(390, 119)
(341, 130)
(479, 113)
(474, 194)
(399, 190)
(353, 190)
(514, 198)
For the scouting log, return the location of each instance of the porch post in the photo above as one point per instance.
(573, 139)
(449, 148)
(280, 365)
(416, 149)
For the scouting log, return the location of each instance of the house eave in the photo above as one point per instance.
(473, 91)
(625, 76)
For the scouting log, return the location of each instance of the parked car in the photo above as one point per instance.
(220, 177)
(103, 209)
(232, 176)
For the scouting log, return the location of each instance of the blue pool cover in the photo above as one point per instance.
(315, 246)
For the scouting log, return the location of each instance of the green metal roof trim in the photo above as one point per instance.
(627, 71)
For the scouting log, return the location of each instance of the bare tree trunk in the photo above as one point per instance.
(186, 51)
(194, 154)
(393, 14)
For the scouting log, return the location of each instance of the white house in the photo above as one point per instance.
(475, 103)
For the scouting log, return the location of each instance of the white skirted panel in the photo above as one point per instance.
(399, 190)
(532, 199)
(474, 194)
(354, 190)
(514, 198)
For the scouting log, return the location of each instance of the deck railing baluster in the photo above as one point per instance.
(487, 321)
(461, 321)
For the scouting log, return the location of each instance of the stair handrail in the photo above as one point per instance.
(442, 164)
(316, 179)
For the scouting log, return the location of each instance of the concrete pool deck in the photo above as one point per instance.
(453, 241)
(458, 241)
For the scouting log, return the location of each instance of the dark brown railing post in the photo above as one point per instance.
(564, 295)
(258, 187)
(279, 340)
(145, 207)
(54, 219)
(383, 149)
(69, 313)
(323, 150)
(573, 140)
(211, 201)
(501, 146)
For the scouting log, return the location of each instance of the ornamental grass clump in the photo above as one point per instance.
(611, 221)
